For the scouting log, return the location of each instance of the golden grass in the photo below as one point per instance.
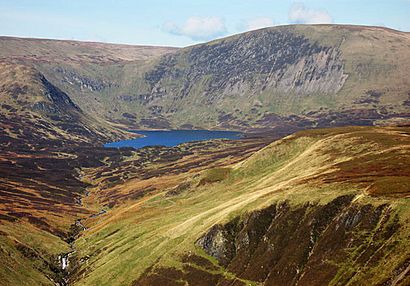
(159, 229)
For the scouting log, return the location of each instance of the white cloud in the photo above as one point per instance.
(198, 28)
(299, 14)
(256, 23)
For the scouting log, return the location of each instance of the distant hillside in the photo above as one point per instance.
(319, 207)
(288, 77)
(32, 110)
(64, 51)
(300, 76)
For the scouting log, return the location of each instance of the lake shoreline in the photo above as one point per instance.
(173, 137)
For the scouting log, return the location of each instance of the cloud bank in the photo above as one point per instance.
(299, 14)
(208, 28)
(198, 28)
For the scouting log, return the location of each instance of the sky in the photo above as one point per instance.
(183, 22)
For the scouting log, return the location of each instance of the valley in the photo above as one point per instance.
(315, 192)
(209, 222)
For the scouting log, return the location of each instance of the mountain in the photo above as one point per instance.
(321, 207)
(34, 110)
(88, 72)
(318, 207)
(303, 76)
(25, 85)
(288, 77)
(65, 51)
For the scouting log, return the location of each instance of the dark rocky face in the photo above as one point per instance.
(285, 245)
(280, 60)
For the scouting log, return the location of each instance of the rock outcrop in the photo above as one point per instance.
(305, 245)
(278, 60)
(302, 76)
(337, 243)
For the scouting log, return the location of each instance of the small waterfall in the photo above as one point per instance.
(64, 260)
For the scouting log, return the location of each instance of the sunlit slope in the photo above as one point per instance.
(44, 139)
(60, 51)
(35, 111)
(29, 253)
(153, 240)
(87, 71)
(289, 77)
(296, 76)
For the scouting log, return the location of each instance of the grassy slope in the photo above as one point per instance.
(98, 62)
(374, 59)
(29, 101)
(309, 166)
(41, 195)
(44, 50)
(27, 252)
(192, 212)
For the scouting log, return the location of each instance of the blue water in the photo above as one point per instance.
(173, 137)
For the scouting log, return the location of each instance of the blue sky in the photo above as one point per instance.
(182, 22)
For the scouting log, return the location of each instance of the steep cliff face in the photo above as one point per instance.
(339, 243)
(278, 60)
(292, 77)
(287, 77)
(34, 110)
(89, 73)
(308, 244)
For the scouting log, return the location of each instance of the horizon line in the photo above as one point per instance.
(179, 47)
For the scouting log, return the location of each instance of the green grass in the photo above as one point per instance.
(162, 230)
(215, 175)
(373, 59)
(18, 269)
